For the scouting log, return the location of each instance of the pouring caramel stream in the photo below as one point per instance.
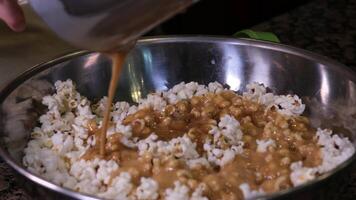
(117, 63)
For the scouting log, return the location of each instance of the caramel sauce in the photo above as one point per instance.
(117, 62)
(268, 170)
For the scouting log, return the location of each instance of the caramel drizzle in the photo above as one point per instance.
(117, 63)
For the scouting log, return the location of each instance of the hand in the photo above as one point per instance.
(12, 14)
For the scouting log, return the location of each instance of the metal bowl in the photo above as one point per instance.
(327, 87)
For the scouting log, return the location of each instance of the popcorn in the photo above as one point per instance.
(56, 149)
(248, 193)
(262, 145)
(180, 147)
(301, 174)
(290, 105)
(227, 133)
(148, 190)
(334, 151)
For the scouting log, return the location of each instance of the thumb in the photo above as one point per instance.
(11, 13)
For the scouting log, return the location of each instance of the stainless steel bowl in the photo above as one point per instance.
(327, 87)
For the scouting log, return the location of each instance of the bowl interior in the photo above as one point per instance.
(327, 88)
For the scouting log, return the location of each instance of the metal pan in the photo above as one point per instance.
(327, 87)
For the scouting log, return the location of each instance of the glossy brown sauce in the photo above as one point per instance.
(117, 62)
(268, 170)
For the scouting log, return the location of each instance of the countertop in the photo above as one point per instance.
(327, 27)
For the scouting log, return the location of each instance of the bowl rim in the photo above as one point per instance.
(10, 86)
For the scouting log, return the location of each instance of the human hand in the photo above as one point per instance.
(12, 14)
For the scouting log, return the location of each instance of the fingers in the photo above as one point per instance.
(12, 14)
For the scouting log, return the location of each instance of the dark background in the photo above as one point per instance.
(224, 17)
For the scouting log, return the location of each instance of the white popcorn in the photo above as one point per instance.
(221, 157)
(262, 145)
(198, 193)
(301, 174)
(120, 188)
(155, 101)
(110, 131)
(148, 190)
(289, 105)
(188, 90)
(257, 92)
(285, 104)
(183, 147)
(202, 161)
(126, 131)
(334, 149)
(180, 147)
(179, 192)
(106, 168)
(228, 131)
(148, 144)
(99, 111)
(248, 193)
(62, 143)
(120, 111)
(215, 87)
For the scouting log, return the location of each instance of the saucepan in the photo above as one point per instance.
(327, 87)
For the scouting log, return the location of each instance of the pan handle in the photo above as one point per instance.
(257, 35)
